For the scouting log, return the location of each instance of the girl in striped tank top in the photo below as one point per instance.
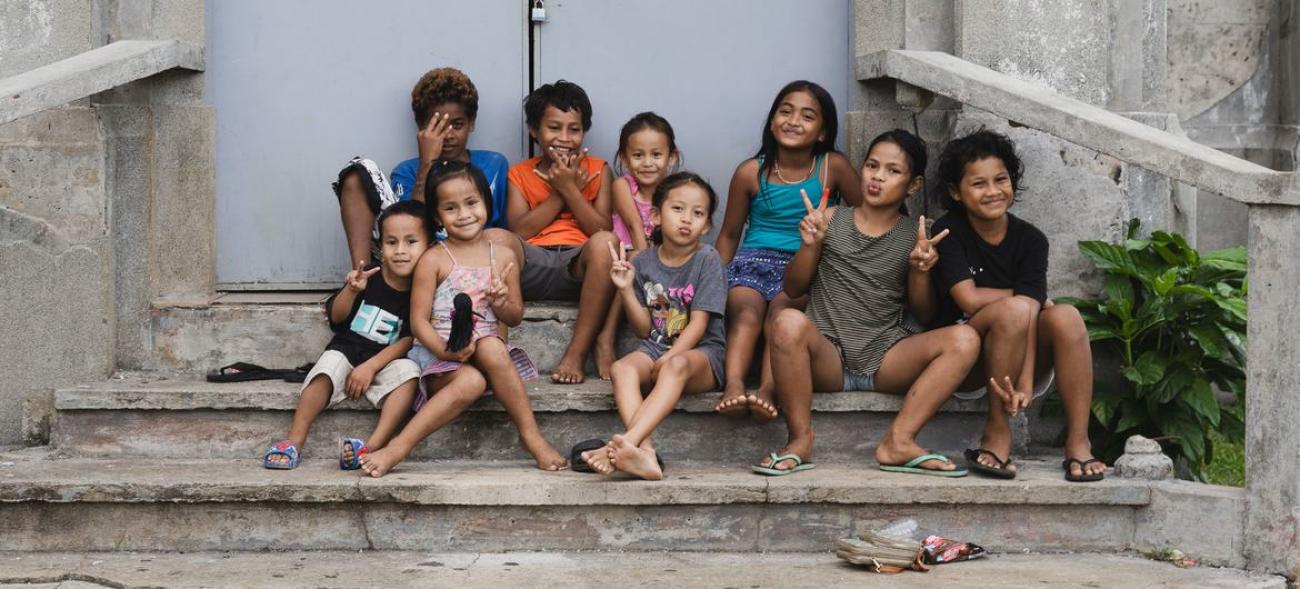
(798, 153)
(866, 270)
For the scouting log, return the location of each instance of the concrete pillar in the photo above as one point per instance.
(1272, 533)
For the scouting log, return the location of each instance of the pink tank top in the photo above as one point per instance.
(642, 208)
(473, 281)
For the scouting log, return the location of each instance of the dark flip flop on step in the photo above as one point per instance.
(244, 371)
(1083, 476)
(576, 463)
(1000, 471)
(300, 373)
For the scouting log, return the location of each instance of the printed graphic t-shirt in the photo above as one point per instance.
(379, 317)
(670, 294)
(493, 165)
(1018, 263)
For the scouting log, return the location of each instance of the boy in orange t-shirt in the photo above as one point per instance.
(559, 206)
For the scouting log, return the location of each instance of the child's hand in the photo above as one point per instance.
(1012, 400)
(359, 380)
(924, 256)
(497, 293)
(566, 171)
(812, 229)
(461, 355)
(357, 279)
(430, 138)
(620, 272)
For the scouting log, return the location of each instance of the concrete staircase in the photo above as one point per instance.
(158, 459)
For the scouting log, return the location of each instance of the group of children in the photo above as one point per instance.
(816, 259)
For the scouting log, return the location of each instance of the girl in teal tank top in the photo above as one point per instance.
(765, 205)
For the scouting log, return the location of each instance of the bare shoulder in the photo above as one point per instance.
(746, 176)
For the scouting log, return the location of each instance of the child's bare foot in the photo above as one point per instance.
(998, 441)
(569, 371)
(545, 455)
(762, 408)
(635, 461)
(604, 353)
(892, 452)
(734, 402)
(598, 459)
(380, 462)
(801, 447)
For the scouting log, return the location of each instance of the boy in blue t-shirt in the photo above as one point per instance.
(445, 104)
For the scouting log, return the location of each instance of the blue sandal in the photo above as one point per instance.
(772, 471)
(281, 448)
(913, 467)
(359, 449)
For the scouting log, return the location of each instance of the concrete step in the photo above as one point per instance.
(48, 503)
(288, 329)
(576, 570)
(177, 416)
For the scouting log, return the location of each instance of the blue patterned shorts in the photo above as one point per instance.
(760, 269)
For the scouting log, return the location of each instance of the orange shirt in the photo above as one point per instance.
(564, 230)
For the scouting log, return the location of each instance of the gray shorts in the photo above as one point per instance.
(548, 273)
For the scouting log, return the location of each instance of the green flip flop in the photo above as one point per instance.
(913, 468)
(772, 471)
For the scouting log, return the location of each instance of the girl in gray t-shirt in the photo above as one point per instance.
(674, 294)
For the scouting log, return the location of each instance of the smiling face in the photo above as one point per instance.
(985, 190)
(684, 215)
(461, 209)
(402, 240)
(886, 176)
(459, 127)
(797, 122)
(559, 132)
(648, 156)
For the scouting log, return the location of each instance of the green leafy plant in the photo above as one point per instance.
(1176, 319)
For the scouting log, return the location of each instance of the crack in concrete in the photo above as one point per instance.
(83, 578)
(365, 522)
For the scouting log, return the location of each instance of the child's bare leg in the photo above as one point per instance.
(1063, 338)
(631, 372)
(358, 219)
(689, 372)
(794, 342)
(1003, 327)
(604, 350)
(493, 358)
(745, 312)
(592, 268)
(455, 392)
(762, 404)
(313, 400)
(928, 366)
(394, 408)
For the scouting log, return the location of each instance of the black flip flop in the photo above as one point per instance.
(576, 463)
(244, 371)
(1000, 471)
(1083, 477)
(300, 373)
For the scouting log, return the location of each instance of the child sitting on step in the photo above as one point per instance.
(459, 347)
(372, 335)
(674, 295)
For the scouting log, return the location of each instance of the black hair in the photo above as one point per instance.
(412, 208)
(641, 122)
(440, 86)
(830, 122)
(440, 173)
(912, 147)
(564, 95)
(972, 148)
(673, 182)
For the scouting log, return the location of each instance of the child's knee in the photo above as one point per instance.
(677, 365)
(964, 341)
(597, 248)
(788, 328)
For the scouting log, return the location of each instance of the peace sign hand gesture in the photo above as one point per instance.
(620, 273)
(1012, 399)
(357, 279)
(924, 256)
(812, 229)
(498, 294)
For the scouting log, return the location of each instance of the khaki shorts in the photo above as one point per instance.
(335, 365)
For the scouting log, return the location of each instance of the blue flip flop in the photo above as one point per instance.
(912, 467)
(772, 471)
(281, 448)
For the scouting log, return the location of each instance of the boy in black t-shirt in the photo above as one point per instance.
(367, 355)
(992, 275)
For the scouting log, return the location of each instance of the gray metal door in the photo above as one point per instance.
(301, 86)
(711, 68)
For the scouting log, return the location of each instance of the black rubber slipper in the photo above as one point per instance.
(1082, 478)
(244, 371)
(1000, 471)
(576, 463)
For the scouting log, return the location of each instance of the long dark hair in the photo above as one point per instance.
(912, 147)
(447, 170)
(676, 181)
(830, 123)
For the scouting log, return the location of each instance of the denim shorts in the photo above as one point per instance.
(760, 269)
(859, 382)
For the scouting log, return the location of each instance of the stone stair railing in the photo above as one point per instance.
(94, 71)
(1272, 513)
